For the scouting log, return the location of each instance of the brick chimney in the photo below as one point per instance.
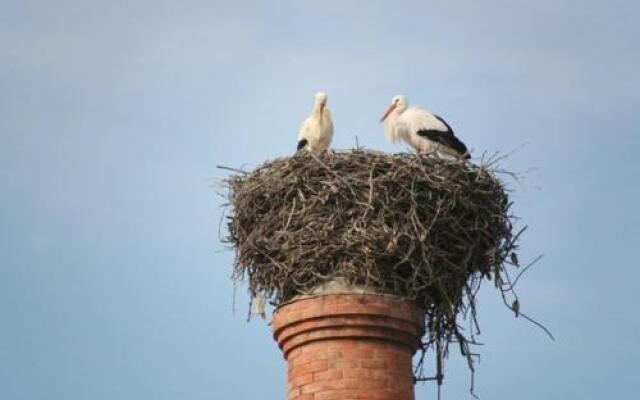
(349, 346)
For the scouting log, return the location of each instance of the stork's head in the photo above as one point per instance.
(321, 97)
(398, 105)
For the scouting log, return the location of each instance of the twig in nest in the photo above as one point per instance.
(232, 169)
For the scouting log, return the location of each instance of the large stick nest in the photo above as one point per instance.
(424, 228)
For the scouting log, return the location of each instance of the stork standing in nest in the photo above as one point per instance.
(426, 132)
(317, 130)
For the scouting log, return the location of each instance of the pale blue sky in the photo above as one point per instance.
(114, 114)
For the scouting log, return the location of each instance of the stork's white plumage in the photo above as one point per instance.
(317, 130)
(426, 132)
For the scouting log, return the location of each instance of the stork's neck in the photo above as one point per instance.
(400, 109)
(393, 127)
(320, 111)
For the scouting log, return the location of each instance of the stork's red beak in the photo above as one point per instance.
(389, 110)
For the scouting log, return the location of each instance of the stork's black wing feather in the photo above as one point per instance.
(302, 143)
(439, 118)
(446, 138)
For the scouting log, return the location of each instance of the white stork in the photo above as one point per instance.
(426, 132)
(317, 130)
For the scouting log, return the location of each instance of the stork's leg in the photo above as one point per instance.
(427, 151)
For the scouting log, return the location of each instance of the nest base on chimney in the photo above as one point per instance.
(419, 227)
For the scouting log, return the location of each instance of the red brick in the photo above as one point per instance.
(315, 387)
(344, 363)
(374, 364)
(314, 366)
(300, 380)
(358, 373)
(334, 374)
(363, 384)
(295, 353)
(329, 395)
(359, 353)
(308, 357)
(304, 397)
